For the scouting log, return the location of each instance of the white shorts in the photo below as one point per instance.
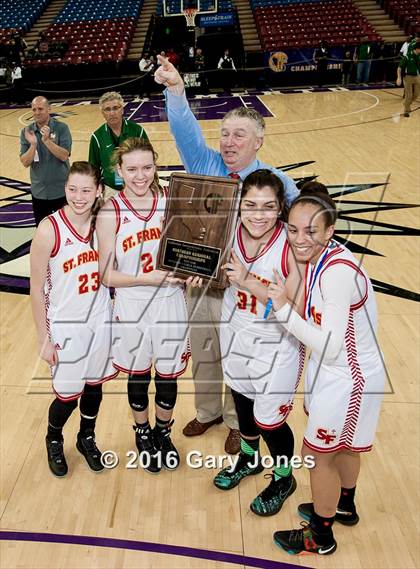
(151, 331)
(265, 369)
(83, 355)
(342, 412)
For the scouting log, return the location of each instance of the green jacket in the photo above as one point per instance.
(410, 63)
(103, 142)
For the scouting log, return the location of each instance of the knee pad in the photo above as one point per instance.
(137, 388)
(280, 441)
(245, 411)
(166, 392)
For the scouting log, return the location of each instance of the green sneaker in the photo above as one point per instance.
(227, 478)
(271, 500)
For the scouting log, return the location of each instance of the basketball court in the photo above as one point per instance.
(360, 146)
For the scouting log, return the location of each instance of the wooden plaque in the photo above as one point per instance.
(199, 226)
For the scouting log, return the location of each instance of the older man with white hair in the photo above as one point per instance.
(45, 147)
(109, 136)
(242, 135)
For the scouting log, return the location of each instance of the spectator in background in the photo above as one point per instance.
(17, 82)
(45, 147)
(227, 65)
(346, 68)
(19, 47)
(42, 46)
(200, 67)
(363, 58)
(173, 57)
(379, 63)
(321, 57)
(108, 137)
(405, 45)
(410, 65)
(147, 66)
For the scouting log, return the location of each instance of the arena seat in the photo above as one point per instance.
(405, 13)
(283, 24)
(20, 14)
(93, 31)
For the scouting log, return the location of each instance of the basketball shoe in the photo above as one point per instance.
(227, 478)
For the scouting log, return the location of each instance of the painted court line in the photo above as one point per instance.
(151, 547)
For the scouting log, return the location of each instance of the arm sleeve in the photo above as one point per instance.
(195, 154)
(94, 155)
(338, 286)
(65, 138)
(24, 144)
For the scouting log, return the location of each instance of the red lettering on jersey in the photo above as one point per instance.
(68, 266)
(87, 257)
(326, 435)
(261, 279)
(155, 233)
(316, 316)
(128, 243)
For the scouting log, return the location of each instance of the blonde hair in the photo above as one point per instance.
(110, 96)
(131, 145)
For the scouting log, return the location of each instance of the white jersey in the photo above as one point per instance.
(266, 370)
(344, 378)
(73, 290)
(241, 308)
(360, 340)
(137, 244)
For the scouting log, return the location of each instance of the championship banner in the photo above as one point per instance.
(300, 60)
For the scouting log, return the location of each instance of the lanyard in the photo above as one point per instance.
(314, 275)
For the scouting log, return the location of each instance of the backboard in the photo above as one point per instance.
(177, 7)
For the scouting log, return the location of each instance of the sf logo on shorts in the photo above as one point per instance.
(326, 435)
(285, 409)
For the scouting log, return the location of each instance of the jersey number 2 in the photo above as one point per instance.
(146, 262)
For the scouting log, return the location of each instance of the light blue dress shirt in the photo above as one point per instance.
(198, 158)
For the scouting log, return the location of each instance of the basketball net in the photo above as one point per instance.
(190, 14)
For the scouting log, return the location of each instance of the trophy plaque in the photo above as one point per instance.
(199, 226)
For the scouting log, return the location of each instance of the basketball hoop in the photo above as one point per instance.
(190, 14)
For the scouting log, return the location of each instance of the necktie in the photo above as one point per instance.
(234, 175)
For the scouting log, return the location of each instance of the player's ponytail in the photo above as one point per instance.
(85, 168)
(315, 193)
(131, 145)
